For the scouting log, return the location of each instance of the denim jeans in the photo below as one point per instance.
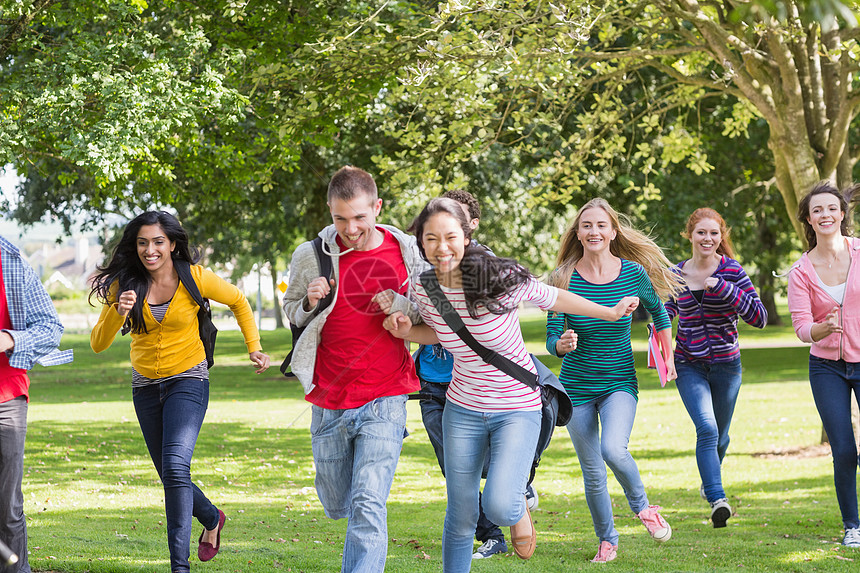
(614, 415)
(13, 524)
(170, 416)
(431, 414)
(832, 382)
(355, 453)
(709, 392)
(510, 438)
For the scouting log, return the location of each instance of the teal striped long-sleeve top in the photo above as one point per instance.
(602, 362)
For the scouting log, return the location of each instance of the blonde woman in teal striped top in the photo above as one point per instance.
(604, 259)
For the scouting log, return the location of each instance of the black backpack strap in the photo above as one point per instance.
(183, 269)
(326, 270)
(452, 319)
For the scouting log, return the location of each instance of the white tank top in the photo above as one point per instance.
(837, 292)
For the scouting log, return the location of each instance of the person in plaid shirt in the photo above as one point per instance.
(29, 333)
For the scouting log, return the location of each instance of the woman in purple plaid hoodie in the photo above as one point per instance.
(707, 355)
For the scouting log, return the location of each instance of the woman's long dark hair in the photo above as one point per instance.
(126, 269)
(486, 278)
(846, 197)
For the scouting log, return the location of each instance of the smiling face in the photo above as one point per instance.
(154, 248)
(355, 221)
(444, 243)
(825, 214)
(595, 230)
(706, 237)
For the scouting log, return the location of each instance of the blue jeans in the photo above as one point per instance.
(510, 438)
(170, 416)
(709, 392)
(13, 524)
(595, 449)
(832, 382)
(355, 453)
(431, 414)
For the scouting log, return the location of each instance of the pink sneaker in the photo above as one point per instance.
(654, 523)
(605, 553)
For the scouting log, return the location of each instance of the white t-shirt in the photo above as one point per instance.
(476, 385)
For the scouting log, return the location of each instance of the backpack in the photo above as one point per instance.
(325, 266)
(206, 328)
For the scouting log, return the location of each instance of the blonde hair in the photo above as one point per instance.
(629, 244)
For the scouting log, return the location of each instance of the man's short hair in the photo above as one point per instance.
(467, 199)
(349, 181)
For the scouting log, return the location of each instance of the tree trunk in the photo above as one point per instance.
(768, 261)
(276, 294)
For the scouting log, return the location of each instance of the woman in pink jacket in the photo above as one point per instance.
(824, 300)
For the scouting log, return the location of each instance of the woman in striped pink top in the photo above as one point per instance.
(487, 410)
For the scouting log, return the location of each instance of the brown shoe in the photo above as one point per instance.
(523, 536)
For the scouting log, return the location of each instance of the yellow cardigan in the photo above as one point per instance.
(173, 345)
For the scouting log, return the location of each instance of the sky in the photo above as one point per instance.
(13, 232)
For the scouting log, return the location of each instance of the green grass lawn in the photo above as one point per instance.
(94, 502)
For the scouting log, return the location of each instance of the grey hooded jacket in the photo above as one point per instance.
(304, 269)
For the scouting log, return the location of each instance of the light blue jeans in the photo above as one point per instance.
(355, 453)
(511, 438)
(614, 415)
(709, 392)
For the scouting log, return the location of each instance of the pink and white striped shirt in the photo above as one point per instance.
(476, 385)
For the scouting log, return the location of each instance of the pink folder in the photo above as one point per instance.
(655, 357)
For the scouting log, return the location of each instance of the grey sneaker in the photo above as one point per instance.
(721, 511)
(531, 497)
(852, 537)
(490, 548)
(702, 492)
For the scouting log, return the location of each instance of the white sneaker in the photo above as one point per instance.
(490, 548)
(852, 537)
(531, 497)
(721, 511)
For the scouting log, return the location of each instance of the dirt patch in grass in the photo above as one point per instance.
(813, 451)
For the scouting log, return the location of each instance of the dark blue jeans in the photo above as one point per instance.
(431, 415)
(832, 382)
(709, 392)
(170, 416)
(13, 524)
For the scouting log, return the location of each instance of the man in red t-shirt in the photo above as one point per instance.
(29, 332)
(353, 371)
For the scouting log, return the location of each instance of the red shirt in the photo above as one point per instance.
(14, 382)
(358, 360)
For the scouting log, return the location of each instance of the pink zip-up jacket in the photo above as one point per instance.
(809, 303)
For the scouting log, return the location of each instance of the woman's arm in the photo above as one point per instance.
(110, 320)
(574, 304)
(400, 326)
(741, 295)
(214, 287)
(664, 339)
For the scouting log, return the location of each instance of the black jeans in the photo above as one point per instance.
(13, 524)
(431, 415)
(170, 416)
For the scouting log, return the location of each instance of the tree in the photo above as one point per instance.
(522, 73)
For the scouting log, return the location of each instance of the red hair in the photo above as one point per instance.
(725, 247)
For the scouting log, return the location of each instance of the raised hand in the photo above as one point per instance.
(318, 289)
(384, 300)
(626, 306)
(126, 302)
(398, 324)
(566, 343)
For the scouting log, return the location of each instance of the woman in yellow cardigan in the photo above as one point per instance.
(170, 378)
